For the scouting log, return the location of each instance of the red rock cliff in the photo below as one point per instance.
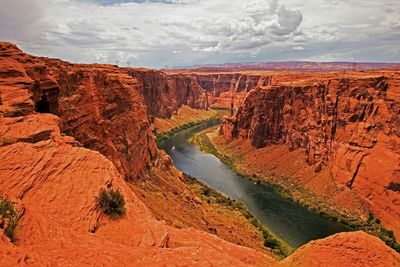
(56, 180)
(350, 125)
(104, 107)
(164, 94)
(226, 89)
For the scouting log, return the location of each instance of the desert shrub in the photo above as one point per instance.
(394, 187)
(248, 215)
(206, 191)
(389, 233)
(112, 203)
(8, 218)
(255, 223)
(271, 243)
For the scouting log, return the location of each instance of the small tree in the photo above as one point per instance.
(111, 202)
(8, 218)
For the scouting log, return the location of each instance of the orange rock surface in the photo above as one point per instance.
(56, 179)
(104, 109)
(348, 126)
(57, 183)
(67, 131)
(165, 94)
(228, 90)
(344, 249)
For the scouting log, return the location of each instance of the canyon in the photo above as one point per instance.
(69, 130)
(342, 135)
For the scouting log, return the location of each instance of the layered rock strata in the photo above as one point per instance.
(349, 126)
(56, 179)
(165, 94)
(227, 90)
(67, 131)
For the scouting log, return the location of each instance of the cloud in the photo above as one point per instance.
(26, 27)
(155, 33)
(288, 20)
(298, 48)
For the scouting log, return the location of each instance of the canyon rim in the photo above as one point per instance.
(125, 138)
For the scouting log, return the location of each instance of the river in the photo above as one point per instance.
(286, 219)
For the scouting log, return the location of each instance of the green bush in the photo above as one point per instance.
(112, 203)
(255, 223)
(206, 191)
(271, 243)
(8, 218)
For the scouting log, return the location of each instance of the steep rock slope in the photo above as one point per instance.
(227, 90)
(349, 126)
(102, 107)
(56, 180)
(165, 94)
(98, 105)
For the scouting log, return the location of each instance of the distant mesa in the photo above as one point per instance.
(305, 66)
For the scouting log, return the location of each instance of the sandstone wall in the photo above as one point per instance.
(55, 180)
(350, 126)
(104, 107)
(227, 89)
(165, 94)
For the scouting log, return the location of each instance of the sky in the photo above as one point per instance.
(173, 33)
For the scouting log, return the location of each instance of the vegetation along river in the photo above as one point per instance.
(286, 219)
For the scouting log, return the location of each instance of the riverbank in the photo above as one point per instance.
(226, 217)
(185, 118)
(222, 216)
(237, 157)
(226, 206)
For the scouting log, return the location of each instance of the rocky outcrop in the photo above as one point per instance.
(57, 182)
(56, 179)
(100, 106)
(165, 94)
(345, 249)
(227, 90)
(67, 131)
(348, 125)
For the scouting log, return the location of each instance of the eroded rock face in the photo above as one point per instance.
(104, 107)
(57, 180)
(229, 89)
(164, 94)
(350, 126)
(100, 106)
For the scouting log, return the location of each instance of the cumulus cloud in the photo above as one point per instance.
(155, 33)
